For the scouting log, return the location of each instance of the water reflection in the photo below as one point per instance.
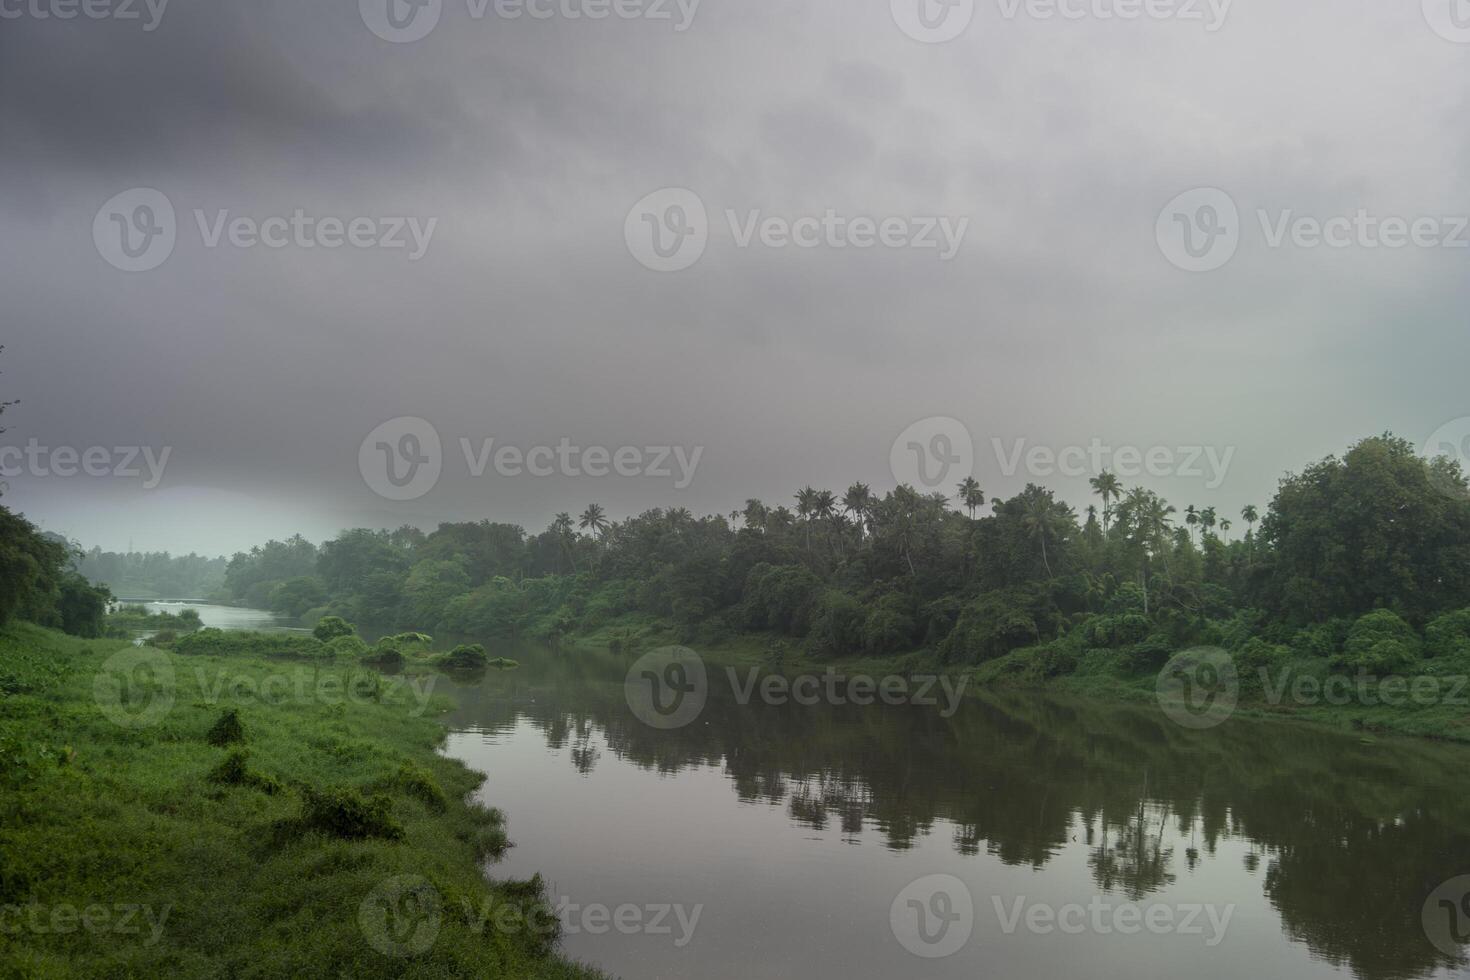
(1335, 841)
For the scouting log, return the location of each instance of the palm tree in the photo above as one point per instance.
(971, 495)
(1250, 515)
(1045, 518)
(806, 506)
(858, 501)
(1191, 517)
(595, 520)
(1106, 486)
(566, 537)
(1225, 527)
(1207, 520)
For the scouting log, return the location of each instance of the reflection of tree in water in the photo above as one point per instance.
(1131, 857)
(1347, 838)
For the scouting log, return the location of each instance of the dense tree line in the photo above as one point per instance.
(153, 574)
(1358, 557)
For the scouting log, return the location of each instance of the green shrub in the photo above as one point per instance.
(1116, 630)
(837, 626)
(347, 646)
(1257, 652)
(469, 656)
(347, 814)
(233, 771)
(1448, 635)
(328, 628)
(421, 786)
(1379, 643)
(1321, 640)
(991, 626)
(227, 730)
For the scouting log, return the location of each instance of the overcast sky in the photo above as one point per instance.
(1055, 145)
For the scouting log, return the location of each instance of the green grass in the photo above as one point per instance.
(278, 855)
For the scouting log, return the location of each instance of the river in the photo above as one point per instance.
(1019, 837)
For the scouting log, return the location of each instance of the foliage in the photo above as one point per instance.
(328, 628)
(227, 730)
(1379, 643)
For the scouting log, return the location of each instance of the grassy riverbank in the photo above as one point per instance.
(339, 844)
(1302, 689)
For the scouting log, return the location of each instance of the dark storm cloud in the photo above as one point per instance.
(529, 321)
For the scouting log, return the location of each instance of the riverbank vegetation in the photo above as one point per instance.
(124, 620)
(232, 815)
(1360, 565)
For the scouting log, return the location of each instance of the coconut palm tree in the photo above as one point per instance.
(858, 501)
(970, 495)
(566, 537)
(1106, 486)
(806, 506)
(594, 519)
(1045, 518)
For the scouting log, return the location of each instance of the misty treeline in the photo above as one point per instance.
(1359, 558)
(154, 574)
